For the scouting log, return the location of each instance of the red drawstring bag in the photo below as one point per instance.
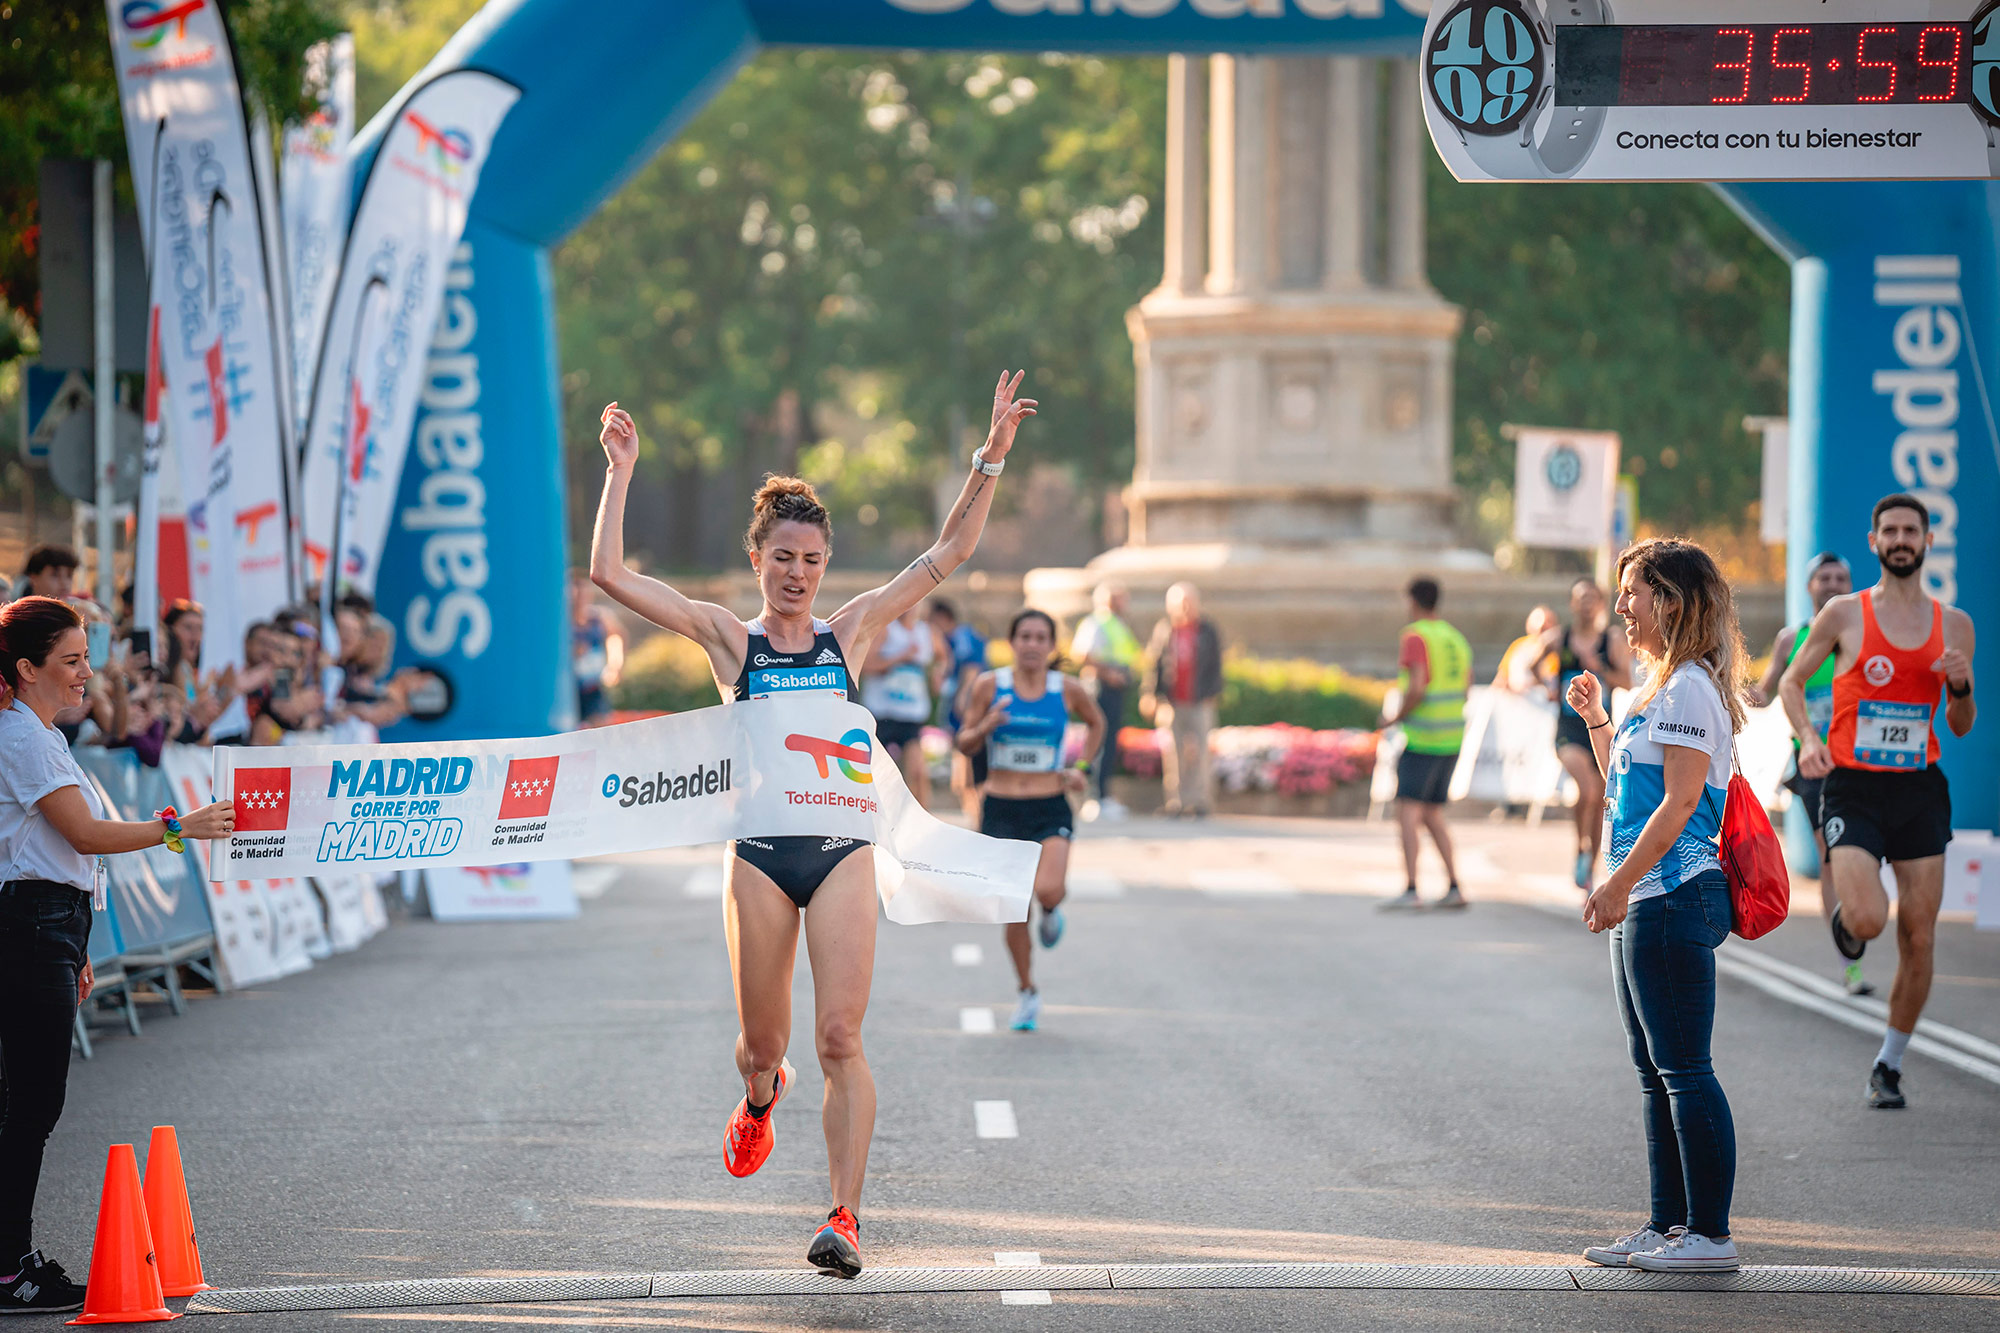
(1760, 886)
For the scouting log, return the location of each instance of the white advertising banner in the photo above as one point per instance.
(199, 208)
(521, 891)
(386, 301)
(775, 768)
(247, 935)
(316, 179)
(1565, 487)
(1774, 507)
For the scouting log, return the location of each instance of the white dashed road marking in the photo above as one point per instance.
(705, 882)
(1242, 883)
(1021, 1259)
(967, 955)
(591, 879)
(975, 1020)
(994, 1120)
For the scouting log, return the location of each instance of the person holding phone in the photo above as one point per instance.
(53, 838)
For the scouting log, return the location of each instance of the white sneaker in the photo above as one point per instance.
(1618, 1251)
(1689, 1252)
(1111, 810)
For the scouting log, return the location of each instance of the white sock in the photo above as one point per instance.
(1894, 1043)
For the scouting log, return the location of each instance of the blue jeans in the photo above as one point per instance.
(1663, 973)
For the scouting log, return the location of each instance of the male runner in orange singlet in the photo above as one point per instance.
(1896, 650)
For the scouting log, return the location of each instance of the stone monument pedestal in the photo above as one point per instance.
(1293, 447)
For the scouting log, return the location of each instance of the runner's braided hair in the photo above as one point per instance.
(785, 500)
(1697, 615)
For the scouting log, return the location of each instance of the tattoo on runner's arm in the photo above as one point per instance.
(975, 495)
(930, 568)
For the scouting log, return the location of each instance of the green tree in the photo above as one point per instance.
(1651, 310)
(797, 252)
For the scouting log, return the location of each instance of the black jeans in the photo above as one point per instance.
(44, 941)
(1111, 699)
(1663, 972)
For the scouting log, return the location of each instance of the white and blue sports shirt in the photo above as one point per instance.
(1687, 711)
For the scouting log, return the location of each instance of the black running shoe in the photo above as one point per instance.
(39, 1288)
(1850, 947)
(1885, 1088)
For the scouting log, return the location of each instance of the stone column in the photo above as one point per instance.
(1409, 153)
(1187, 174)
(1238, 144)
(1350, 206)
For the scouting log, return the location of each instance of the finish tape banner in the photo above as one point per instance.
(774, 768)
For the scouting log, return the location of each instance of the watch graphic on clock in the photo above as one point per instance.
(1986, 79)
(1489, 70)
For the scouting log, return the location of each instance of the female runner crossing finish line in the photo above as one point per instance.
(772, 882)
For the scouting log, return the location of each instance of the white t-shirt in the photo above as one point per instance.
(903, 692)
(1687, 711)
(34, 761)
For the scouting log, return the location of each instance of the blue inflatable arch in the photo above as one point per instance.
(1895, 292)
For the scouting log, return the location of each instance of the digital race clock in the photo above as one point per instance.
(1703, 90)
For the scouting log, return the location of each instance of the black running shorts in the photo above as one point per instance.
(892, 732)
(1029, 819)
(1425, 778)
(1808, 791)
(1892, 816)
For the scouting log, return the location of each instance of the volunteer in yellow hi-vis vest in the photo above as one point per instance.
(1435, 665)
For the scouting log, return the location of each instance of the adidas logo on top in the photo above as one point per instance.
(827, 657)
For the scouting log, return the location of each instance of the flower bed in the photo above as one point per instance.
(1287, 760)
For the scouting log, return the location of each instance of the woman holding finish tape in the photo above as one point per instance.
(53, 834)
(773, 883)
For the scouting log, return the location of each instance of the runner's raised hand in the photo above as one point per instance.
(619, 437)
(1008, 413)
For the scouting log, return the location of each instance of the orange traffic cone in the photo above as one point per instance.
(173, 1221)
(124, 1285)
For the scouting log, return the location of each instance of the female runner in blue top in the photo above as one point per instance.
(1016, 717)
(772, 882)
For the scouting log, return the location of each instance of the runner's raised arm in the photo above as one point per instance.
(713, 627)
(861, 620)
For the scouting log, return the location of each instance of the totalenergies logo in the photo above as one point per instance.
(852, 752)
(449, 149)
(147, 20)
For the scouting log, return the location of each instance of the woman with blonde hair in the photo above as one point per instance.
(772, 884)
(1666, 901)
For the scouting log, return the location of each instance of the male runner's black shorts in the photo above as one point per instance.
(1026, 819)
(1425, 778)
(891, 732)
(1807, 790)
(1894, 816)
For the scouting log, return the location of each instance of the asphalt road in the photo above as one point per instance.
(1241, 1060)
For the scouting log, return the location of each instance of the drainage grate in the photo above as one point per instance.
(805, 1282)
(1828, 1281)
(1443, 1277)
(419, 1291)
(1089, 1277)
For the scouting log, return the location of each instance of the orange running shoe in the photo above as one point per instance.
(747, 1141)
(836, 1246)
